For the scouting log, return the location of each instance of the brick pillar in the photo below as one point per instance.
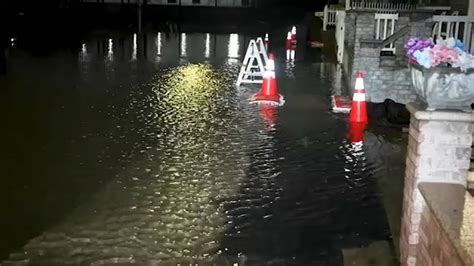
(439, 150)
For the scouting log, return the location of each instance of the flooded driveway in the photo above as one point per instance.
(141, 150)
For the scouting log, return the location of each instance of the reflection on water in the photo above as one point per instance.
(183, 45)
(290, 63)
(84, 50)
(165, 48)
(158, 43)
(207, 52)
(233, 45)
(192, 173)
(110, 50)
(83, 55)
(135, 47)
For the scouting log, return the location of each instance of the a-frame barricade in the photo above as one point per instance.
(254, 63)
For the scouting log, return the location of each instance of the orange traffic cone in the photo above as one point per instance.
(266, 41)
(288, 41)
(269, 91)
(294, 39)
(356, 132)
(359, 105)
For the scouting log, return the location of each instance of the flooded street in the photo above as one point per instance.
(140, 149)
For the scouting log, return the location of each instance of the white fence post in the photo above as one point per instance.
(325, 18)
(340, 28)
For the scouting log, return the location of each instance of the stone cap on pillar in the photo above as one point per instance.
(420, 113)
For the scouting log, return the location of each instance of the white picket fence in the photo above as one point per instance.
(329, 16)
(340, 27)
(379, 5)
(459, 27)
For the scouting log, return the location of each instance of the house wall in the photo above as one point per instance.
(459, 5)
(456, 5)
(384, 77)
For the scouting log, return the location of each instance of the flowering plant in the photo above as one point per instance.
(449, 52)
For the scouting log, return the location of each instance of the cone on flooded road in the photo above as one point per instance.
(269, 91)
(294, 38)
(359, 105)
(289, 44)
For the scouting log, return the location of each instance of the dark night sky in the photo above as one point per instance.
(46, 14)
(35, 4)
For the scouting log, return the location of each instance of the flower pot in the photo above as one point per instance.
(443, 87)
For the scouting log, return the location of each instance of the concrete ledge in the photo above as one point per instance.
(420, 113)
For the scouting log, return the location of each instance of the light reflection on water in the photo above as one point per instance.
(290, 63)
(110, 50)
(207, 52)
(166, 48)
(208, 177)
(233, 45)
(135, 47)
(183, 45)
(158, 43)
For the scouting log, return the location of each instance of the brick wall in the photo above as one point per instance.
(384, 78)
(435, 247)
(438, 151)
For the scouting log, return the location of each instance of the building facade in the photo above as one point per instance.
(205, 3)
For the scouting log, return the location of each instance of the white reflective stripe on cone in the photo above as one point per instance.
(359, 85)
(359, 97)
(271, 65)
(269, 74)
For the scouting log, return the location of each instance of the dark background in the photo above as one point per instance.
(22, 18)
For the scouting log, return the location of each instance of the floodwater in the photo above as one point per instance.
(133, 149)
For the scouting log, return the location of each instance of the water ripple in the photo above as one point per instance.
(208, 180)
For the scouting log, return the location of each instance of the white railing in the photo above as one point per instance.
(329, 16)
(378, 5)
(385, 27)
(459, 27)
(444, 28)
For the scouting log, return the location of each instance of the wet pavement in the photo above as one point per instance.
(141, 150)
